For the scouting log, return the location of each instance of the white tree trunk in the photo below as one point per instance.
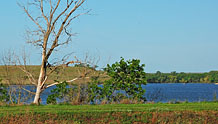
(37, 95)
(40, 83)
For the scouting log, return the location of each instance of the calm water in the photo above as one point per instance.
(192, 92)
(165, 92)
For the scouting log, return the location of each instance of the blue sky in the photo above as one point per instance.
(166, 35)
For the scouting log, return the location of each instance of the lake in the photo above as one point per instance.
(191, 92)
(166, 92)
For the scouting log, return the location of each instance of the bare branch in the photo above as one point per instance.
(28, 14)
(51, 6)
(56, 19)
(55, 42)
(28, 91)
(43, 83)
(69, 81)
(43, 14)
(52, 12)
(61, 82)
(62, 65)
(30, 76)
(76, 17)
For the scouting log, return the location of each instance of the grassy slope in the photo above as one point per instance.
(14, 75)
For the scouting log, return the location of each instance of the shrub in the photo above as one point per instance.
(58, 93)
(4, 97)
(126, 79)
(68, 93)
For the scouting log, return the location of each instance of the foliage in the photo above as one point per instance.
(68, 93)
(95, 92)
(126, 79)
(4, 97)
(174, 77)
(58, 93)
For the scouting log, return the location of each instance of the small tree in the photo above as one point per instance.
(126, 79)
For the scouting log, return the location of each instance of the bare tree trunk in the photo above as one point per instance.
(40, 82)
(37, 96)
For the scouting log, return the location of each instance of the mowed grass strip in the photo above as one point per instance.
(202, 106)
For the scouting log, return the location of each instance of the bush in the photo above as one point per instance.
(126, 81)
(68, 93)
(58, 93)
(4, 97)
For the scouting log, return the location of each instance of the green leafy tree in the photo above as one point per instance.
(213, 76)
(126, 81)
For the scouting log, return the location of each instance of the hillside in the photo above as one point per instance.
(15, 75)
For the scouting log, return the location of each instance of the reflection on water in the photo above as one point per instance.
(164, 92)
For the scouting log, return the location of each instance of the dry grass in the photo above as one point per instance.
(14, 75)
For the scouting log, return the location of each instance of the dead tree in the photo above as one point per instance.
(52, 19)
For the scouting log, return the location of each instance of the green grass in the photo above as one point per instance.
(202, 106)
(115, 113)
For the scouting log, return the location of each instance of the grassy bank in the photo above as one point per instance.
(116, 113)
(15, 75)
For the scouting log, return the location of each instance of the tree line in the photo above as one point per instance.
(175, 77)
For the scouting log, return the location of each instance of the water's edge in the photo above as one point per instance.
(161, 92)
